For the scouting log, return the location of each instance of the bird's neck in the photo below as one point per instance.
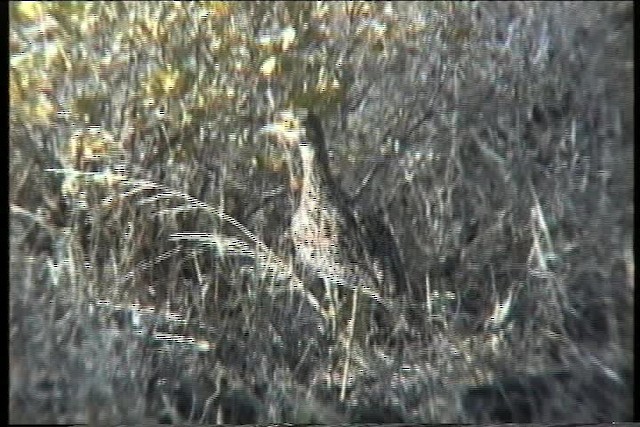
(307, 154)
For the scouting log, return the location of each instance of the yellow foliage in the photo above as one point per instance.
(268, 66)
(29, 11)
(28, 100)
(287, 37)
(359, 8)
(217, 8)
(164, 82)
(70, 186)
(41, 111)
(92, 146)
(16, 92)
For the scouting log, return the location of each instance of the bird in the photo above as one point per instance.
(331, 236)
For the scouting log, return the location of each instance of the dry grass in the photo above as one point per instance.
(167, 290)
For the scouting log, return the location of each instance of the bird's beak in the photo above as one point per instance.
(269, 128)
(285, 137)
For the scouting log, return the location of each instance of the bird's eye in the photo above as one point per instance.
(289, 124)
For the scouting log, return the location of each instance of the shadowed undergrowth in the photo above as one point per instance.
(152, 275)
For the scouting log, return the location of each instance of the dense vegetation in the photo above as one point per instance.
(152, 276)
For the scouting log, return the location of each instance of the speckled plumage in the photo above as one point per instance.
(330, 238)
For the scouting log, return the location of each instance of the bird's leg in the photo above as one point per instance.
(350, 334)
(332, 309)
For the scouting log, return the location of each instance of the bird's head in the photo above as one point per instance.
(287, 128)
